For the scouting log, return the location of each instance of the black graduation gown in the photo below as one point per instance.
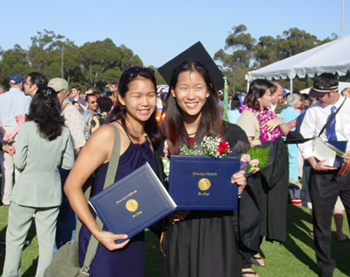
(205, 242)
(275, 182)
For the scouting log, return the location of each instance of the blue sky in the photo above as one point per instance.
(159, 30)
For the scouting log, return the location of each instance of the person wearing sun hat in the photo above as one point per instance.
(73, 118)
(328, 119)
(66, 221)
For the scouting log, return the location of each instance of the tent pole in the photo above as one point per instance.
(247, 78)
(291, 85)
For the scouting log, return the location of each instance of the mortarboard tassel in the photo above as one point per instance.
(225, 99)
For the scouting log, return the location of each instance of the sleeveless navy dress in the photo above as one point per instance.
(130, 260)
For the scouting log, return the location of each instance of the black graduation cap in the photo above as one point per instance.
(294, 137)
(198, 53)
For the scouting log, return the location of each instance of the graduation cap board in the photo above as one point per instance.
(295, 137)
(198, 53)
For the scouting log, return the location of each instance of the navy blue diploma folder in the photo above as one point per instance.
(203, 183)
(341, 145)
(133, 203)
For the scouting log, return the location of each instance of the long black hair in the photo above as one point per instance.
(173, 124)
(45, 111)
(119, 111)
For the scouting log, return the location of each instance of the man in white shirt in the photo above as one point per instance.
(12, 103)
(325, 185)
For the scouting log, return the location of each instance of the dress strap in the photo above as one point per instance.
(125, 131)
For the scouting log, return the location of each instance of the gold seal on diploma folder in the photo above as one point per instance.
(204, 184)
(131, 205)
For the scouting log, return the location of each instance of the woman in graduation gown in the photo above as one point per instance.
(198, 243)
(264, 128)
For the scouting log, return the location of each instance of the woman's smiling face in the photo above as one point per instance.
(190, 92)
(140, 100)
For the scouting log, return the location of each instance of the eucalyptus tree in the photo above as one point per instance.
(46, 52)
(12, 61)
(243, 53)
(103, 62)
(237, 57)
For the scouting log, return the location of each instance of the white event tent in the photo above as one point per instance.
(331, 57)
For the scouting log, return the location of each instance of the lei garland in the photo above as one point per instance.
(263, 117)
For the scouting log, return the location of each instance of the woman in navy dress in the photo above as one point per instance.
(134, 116)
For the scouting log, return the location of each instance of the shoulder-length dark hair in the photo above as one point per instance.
(45, 111)
(119, 111)
(257, 89)
(235, 103)
(173, 123)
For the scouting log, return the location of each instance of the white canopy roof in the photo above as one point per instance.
(332, 57)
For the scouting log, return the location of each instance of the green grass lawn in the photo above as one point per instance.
(296, 257)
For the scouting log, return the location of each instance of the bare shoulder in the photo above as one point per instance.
(100, 143)
(106, 132)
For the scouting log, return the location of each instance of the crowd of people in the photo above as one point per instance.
(53, 141)
(289, 107)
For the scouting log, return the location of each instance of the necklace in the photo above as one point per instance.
(263, 117)
(192, 134)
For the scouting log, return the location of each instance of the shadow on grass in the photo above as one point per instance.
(31, 234)
(2, 249)
(297, 228)
(30, 271)
(340, 253)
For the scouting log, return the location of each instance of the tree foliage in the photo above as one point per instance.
(12, 60)
(103, 62)
(94, 64)
(243, 53)
(236, 63)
